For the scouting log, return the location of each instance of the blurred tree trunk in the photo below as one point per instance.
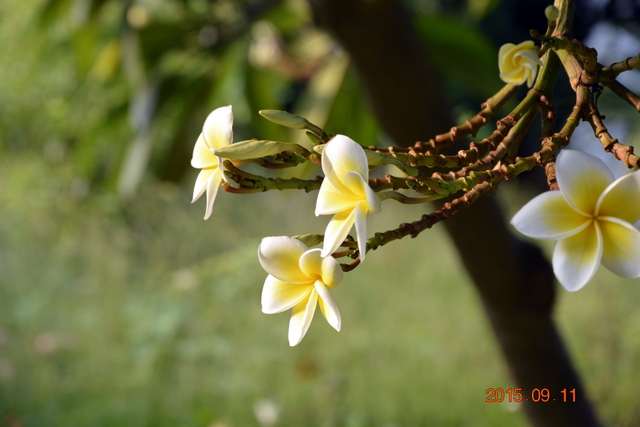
(513, 279)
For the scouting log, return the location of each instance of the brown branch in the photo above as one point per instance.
(518, 295)
(624, 93)
(622, 152)
(611, 72)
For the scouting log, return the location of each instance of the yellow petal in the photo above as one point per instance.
(278, 296)
(218, 127)
(324, 269)
(622, 199)
(576, 258)
(549, 216)
(301, 317)
(328, 307)
(518, 63)
(337, 230)
(505, 58)
(203, 157)
(582, 178)
(515, 77)
(311, 264)
(332, 273)
(280, 257)
(621, 253)
(331, 200)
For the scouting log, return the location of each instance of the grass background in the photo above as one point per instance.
(151, 317)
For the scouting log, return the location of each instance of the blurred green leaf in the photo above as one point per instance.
(350, 114)
(478, 9)
(462, 53)
(264, 89)
(53, 10)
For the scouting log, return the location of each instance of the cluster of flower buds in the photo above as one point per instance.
(593, 217)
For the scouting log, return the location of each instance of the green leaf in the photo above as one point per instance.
(350, 114)
(462, 53)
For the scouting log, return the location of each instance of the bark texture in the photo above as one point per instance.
(518, 292)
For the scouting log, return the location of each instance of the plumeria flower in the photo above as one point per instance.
(519, 63)
(591, 217)
(217, 132)
(345, 193)
(299, 278)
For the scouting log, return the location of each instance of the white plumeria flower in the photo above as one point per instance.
(345, 193)
(299, 278)
(591, 217)
(217, 132)
(518, 63)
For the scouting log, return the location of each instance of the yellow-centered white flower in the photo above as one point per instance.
(519, 63)
(345, 193)
(591, 217)
(217, 132)
(299, 278)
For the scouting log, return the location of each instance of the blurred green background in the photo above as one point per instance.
(120, 306)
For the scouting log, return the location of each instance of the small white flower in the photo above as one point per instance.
(299, 278)
(519, 63)
(591, 217)
(345, 193)
(217, 132)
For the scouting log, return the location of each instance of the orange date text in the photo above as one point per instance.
(536, 395)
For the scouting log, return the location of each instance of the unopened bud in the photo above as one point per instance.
(285, 119)
(552, 13)
(310, 239)
(315, 139)
(255, 149)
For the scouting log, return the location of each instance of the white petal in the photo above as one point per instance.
(622, 198)
(531, 74)
(360, 219)
(328, 306)
(549, 216)
(530, 55)
(621, 254)
(280, 257)
(576, 258)
(373, 200)
(213, 185)
(301, 318)
(278, 296)
(337, 230)
(218, 127)
(582, 178)
(341, 155)
(201, 183)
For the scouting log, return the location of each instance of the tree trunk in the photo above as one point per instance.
(514, 281)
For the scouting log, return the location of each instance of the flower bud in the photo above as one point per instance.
(519, 63)
(255, 149)
(552, 13)
(285, 119)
